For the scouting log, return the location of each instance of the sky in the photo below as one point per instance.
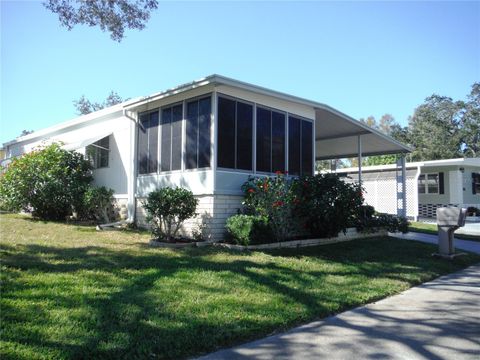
(363, 58)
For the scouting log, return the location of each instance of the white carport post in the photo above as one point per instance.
(359, 138)
(404, 186)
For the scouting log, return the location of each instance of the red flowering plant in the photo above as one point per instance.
(272, 198)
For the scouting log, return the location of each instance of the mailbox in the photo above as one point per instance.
(449, 219)
(451, 216)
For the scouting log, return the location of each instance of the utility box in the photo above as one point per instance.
(449, 219)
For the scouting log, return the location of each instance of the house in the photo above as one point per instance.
(429, 185)
(207, 136)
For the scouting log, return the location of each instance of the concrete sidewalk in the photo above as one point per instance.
(437, 320)
(472, 246)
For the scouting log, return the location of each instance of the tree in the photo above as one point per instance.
(434, 129)
(470, 123)
(25, 132)
(113, 16)
(85, 106)
(49, 182)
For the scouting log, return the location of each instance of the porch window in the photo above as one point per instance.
(148, 143)
(197, 142)
(171, 138)
(475, 183)
(270, 140)
(235, 134)
(300, 157)
(428, 184)
(98, 152)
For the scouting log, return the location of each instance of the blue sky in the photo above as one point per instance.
(363, 58)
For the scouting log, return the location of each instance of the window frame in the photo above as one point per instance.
(254, 134)
(425, 185)
(140, 114)
(99, 147)
(475, 183)
(285, 141)
(301, 118)
(184, 132)
(160, 131)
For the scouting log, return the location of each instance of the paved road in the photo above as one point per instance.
(472, 246)
(437, 320)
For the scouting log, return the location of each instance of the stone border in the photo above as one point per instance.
(156, 243)
(351, 234)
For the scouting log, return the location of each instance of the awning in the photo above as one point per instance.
(85, 142)
(337, 136)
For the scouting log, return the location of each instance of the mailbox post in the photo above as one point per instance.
(449, 219)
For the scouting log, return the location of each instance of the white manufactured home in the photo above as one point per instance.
(429, 185)
(207, 136)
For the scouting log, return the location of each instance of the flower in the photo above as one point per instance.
(277, 203)
(278, 172)
(251, 191)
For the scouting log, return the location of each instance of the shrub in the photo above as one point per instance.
(49, 182)
(369, 220)
(272, 198)
(391, 223)
(473, 211)
(327, 204)
(249, 230)
(167, 208)
(97, 201)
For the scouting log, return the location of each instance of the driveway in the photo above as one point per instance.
(437, 320)
(472, 246)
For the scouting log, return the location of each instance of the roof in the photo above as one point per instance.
(431, 163)
(338, 132)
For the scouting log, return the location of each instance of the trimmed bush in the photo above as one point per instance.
(97, 201)
(326, 204)
(167, 208)
(49, 182)
(249, 230)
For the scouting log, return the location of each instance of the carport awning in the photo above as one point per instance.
(337, 136)
(85, 142)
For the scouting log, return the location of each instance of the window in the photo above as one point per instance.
(300, 142)
(97, 153)
(421, 184)
(429, 184)
(197, 142)
(270, 140)
(171, 138)
(148, 143)
(235, 134)
(475, 183)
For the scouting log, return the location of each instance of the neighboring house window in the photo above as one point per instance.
(197, 142)
(235, 134)
(475, 183)
(98, 152)
(171, 138)
(300, 142)
(270, 140)
(148, 143)
(429, 184)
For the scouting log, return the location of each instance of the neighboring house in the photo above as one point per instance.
(429, 185)
(208, 136)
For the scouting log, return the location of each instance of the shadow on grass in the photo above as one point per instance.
(123, 304)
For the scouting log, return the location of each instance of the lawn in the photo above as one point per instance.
(432, 229)
(71, 292)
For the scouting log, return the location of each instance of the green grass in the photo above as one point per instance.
(432, 229)
(71, 292)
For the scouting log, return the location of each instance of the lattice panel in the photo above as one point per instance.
(381, 191)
